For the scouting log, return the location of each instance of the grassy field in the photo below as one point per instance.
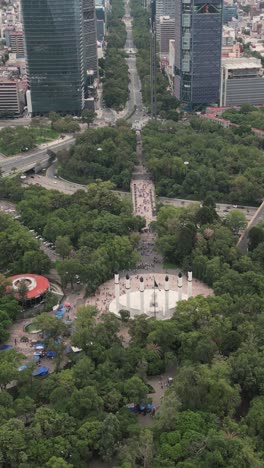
(14, 140)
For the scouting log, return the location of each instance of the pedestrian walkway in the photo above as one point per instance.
(143, 193)
(143, 189)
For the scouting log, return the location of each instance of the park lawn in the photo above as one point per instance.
(43, 134)
(14, 140)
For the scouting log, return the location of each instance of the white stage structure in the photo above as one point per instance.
(155, 302)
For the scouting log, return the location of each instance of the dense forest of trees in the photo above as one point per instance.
(94, 230)
(192, 161)
(166, 103)
(114, 68)
(212, 414)
(248, 116)
(19, 250)
(106, 153)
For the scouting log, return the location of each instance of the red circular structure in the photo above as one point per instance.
(37, 285)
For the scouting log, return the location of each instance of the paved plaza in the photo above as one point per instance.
(106, 292)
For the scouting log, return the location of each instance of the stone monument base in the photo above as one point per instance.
(132, 303)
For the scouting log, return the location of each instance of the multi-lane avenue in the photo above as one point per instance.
(26, 161)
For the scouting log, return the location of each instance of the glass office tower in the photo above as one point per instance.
(54, 50)
(90, 36)
(198, 42)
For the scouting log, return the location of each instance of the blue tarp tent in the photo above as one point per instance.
(60, 312)
(6, 347)
(40, 371)
(147, 407)
(39, 346)
(36, 358)
(21, 368)
(51, 354)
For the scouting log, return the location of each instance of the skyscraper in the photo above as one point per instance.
(90, 36)
(198, 38)
(164, 8)
(54, 51)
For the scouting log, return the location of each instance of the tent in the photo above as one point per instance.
(40, 371)
(36, 358)
(67, 304)
(75, 349)
(51, 354)
(38, 353)
(146, 408)
(60, 312)
(6, 347)
(39, 346)
(21, 368)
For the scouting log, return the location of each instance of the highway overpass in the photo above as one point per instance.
(27, 161)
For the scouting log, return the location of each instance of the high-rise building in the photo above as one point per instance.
(164, 8)
(12, 94)
(100, 12)
(167, 33)
(54, 50)
(90, 38)
(242, 81)
(230, 12)
(198, 37)
(15, 41)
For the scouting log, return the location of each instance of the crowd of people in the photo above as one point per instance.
(143, 199)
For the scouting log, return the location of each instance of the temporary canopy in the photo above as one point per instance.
(75, 349)
(21, 368)
(36, 358)
(40, 371)
(51, 354)
(147, 407)
(39, 346)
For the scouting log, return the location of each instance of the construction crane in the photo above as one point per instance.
(153, 59)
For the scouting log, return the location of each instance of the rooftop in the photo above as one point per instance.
(36, 284)
(241, 63)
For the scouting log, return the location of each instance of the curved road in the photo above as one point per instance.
(27, 161)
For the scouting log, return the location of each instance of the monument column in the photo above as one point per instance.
(117, 291)
(141, 288)
(189, 282)
(128, 286)
(180, 286)
(166, 309)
